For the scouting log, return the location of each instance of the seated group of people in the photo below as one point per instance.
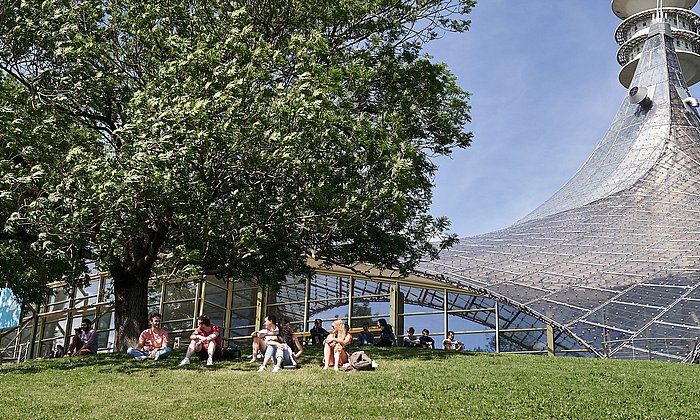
(205, 342)
(427, 342)
(424, 341)
(275, 343)
(388, 338)
(318, 334)
(83, 342)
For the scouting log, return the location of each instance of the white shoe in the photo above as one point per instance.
(261, 368)
(157, 356)
(140, 358)
(276, 369)
(184, 362)
(210, 362)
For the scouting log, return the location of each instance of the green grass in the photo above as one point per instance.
(408, 384)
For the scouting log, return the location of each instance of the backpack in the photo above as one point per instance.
(232, 352)
(359, 360)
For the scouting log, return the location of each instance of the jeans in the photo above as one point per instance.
(162, 353)
(273, 352)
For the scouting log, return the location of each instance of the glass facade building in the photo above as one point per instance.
(239, 309)
(608, 267)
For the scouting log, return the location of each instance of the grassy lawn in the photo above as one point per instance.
(409, 383)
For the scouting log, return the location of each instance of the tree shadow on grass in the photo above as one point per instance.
(124, 364)
(402, 353)
(110, 363)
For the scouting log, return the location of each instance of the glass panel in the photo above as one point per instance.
(244, 297)
(215, 295)
(55, 329)
(59, 301)
(215, 314)
(243, 333)
(178, 310)
(291, 292)
(153, 308)
(434, 324)
(180, 291)
(294, 312)
(317, 308)
(460, 324)
(185, 324)
(409, 309)
(213, 280)
(154, 294)
(427, 298)
(368, 307)
(367, 287)
(329, 310)
(325, 286)
(464, 301)
(86, 295)
(242, 317)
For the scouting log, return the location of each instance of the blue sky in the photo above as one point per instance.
(543, 79)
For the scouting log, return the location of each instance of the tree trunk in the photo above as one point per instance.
(131, 278)
(130, 307)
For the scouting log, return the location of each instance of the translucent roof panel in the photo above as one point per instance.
(612, 260)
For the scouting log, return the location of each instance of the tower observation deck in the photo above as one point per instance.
(638, 16)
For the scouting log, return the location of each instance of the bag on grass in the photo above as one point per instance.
(232, 352)
(359, 360)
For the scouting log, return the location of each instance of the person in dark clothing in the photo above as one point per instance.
(387, 338)
(425, 340)
(318, 333)
(410, 339)
(84, 341)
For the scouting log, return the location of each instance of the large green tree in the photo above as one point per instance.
(237, 138)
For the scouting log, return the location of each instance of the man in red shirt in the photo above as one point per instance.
(205, 341)
(153, 342)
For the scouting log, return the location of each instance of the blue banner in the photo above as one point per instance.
(10, 309)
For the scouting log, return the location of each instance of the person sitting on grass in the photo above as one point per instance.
(205, 342)
(153, 342)
(450, 344)
(425, 340)
(53, 354)
(59, 352)
(410, 339)
(336, 345)
(262, 338)
(317, 332)
(280, 349)
(84, 341)
(365, 338)
(388, 338)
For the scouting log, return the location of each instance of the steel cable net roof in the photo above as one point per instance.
(613, 258)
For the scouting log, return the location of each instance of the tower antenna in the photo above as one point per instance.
(660, 10)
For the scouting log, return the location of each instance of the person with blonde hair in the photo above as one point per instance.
(335, 346)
